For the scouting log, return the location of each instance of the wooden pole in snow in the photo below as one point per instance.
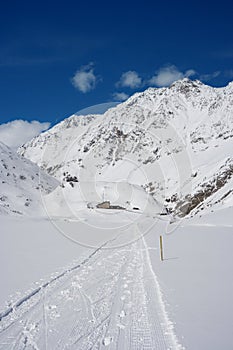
(161, 247)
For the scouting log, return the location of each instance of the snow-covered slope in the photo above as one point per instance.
(21, 184)
(173, 142)
(67, 201)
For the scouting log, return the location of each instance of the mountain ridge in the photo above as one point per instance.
(159, 138)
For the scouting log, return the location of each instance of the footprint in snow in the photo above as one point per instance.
(107, 341)
(122, 314)
(50, 307)
(121, 326)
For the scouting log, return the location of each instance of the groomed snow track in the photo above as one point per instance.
(111, 300)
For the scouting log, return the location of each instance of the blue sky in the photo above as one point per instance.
(58, 57)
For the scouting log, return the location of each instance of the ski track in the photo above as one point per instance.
(112, 300)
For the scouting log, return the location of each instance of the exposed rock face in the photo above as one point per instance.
(22, 184)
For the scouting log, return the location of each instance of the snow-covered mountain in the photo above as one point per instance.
(167, 147)
(175, 143)
(21, 184)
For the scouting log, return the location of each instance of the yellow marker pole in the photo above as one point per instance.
(161, 247)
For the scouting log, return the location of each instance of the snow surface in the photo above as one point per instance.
(196, 280)
(111, 298)
(118, 294)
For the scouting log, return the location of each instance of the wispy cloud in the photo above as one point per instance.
(85, 79)
(17, 132)
(120, 96)
(209, 76)
(130, 79)
(165, 76)
(190, 73)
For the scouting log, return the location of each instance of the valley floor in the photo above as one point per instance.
(113, 291)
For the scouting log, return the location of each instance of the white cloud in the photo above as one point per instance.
(165, 76)
(84, 79)
(120, 96)
(207, 77)
(17, 132)
(130, 79)
(190, 73)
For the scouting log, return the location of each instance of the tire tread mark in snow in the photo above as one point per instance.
(21, 301)
(157, 305)
(124, 310)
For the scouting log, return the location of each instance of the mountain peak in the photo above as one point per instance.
(132, 139)
(187, 82)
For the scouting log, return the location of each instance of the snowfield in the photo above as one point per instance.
(116, 293)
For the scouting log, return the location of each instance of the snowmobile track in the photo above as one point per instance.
(111, 300)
